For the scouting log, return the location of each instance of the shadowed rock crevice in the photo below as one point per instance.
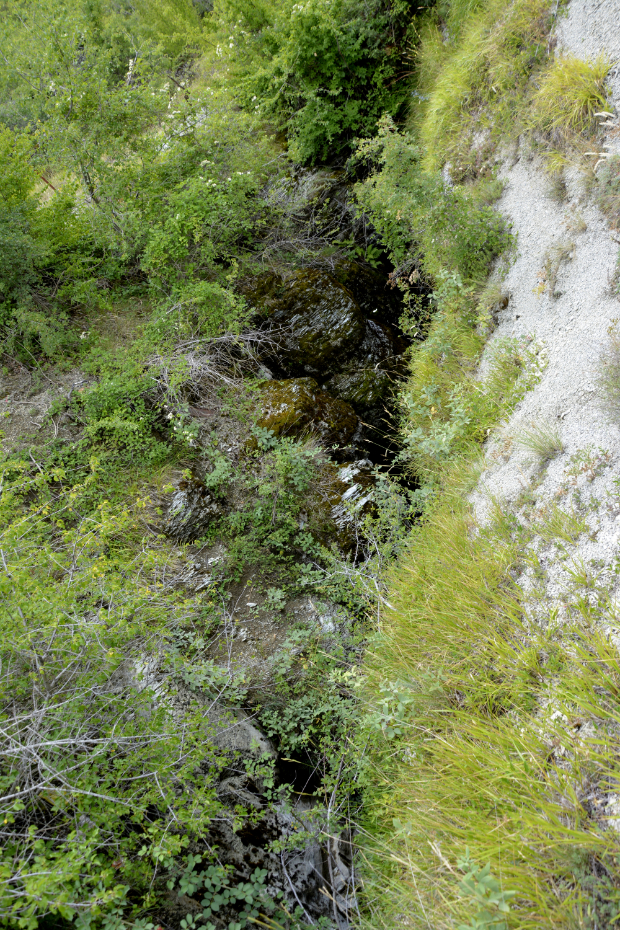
(345, 337)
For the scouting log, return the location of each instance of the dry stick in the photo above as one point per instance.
(294, 891)
(49, 183)
(184, 89)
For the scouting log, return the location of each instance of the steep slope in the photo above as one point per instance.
(497, 677)
(563, 294)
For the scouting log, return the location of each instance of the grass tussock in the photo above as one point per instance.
(473, 85)
(571, 91)
(485, 77)
(543, 441)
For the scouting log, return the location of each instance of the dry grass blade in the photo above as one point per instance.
(212, 363)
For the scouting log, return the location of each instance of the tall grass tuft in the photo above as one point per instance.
(495, 761)
(571, 91)
(543, 441)
(475, 83)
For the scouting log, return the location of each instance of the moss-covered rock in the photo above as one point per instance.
(261, 291)
(379, 346)
(298, 405)
(363, 388)
(322, 325)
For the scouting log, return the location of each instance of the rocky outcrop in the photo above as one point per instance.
(322, 328)
(191, 510)
(321, 322)
(341, 335)
(296, 406)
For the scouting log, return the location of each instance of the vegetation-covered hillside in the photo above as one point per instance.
(495, 676)
(257, 667)
(181, 607)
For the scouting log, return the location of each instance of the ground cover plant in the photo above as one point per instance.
(491, 750)
(474, 88)
(141, 189)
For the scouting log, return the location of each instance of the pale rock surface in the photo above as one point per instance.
(572, 330)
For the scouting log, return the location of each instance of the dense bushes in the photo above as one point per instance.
(421, 218)
(115, 175)
(325, 69)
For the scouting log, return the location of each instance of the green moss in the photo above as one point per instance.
(363, 388)
(297, 406)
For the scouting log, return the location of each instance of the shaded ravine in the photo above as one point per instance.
(328, 368)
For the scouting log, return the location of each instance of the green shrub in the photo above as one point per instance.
(265, 527)
(83, 820)
(450, 229)
(123, 176)
(36, 239)
(326, 69)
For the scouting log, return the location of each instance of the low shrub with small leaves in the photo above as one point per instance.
(450, 230)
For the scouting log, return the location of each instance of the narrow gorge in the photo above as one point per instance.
(309, 409)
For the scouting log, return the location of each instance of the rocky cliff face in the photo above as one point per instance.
(553, 466)
(563, 297)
